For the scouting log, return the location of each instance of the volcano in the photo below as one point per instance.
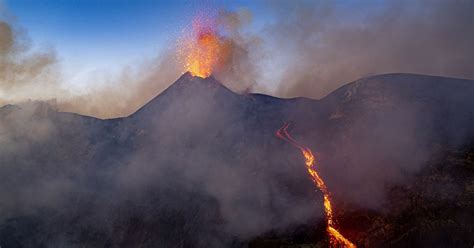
(200, 166)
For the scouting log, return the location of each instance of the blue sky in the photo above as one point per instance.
(106, 35)
(304, 48)
(109, 34)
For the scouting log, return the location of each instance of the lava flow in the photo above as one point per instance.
(336, 239)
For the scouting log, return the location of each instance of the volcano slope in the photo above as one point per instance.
(200, 166)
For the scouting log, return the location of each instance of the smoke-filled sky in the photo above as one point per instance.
(108, 57)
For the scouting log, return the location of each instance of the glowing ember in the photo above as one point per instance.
(335, 237)
(202, 50)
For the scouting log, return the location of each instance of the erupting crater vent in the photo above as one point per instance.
(202, 50)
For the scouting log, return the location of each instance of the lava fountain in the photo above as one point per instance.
(201, 50)
(336, 239)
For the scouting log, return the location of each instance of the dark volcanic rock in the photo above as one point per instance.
(199, 166)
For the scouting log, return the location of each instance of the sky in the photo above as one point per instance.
(91, 35)
(108, 57)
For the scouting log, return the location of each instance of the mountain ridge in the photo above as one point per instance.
(211, 82)
(200, 165)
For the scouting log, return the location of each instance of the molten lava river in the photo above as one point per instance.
(336, 239)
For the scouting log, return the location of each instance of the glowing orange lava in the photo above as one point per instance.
(202, 50)
(336, 239)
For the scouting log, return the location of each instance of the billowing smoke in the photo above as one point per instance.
(208, 156)
(321, 45)
(17, 66)
(241, 70)
(192, 182)
(24, 73)
(31, 72)
(121, 95)
(306, 48)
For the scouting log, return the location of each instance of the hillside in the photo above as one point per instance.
(199, 166)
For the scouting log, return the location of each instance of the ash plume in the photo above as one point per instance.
(202, 154)
(201, 165)
(121, 95)
(325, 44)
(124, 93)
(309, 48)
(241, 70)
(29, 72)
(24, 72)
